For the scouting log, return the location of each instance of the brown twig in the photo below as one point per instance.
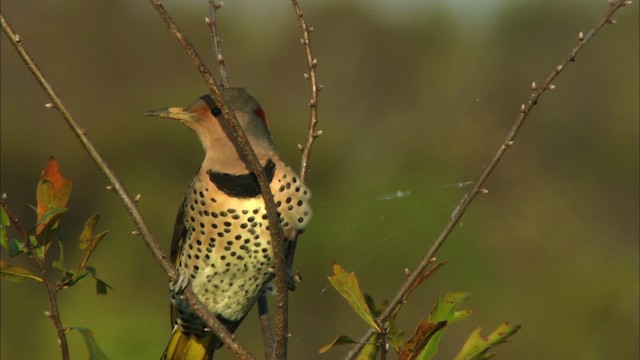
(312, 64)
(247, 153)
(52, 289)
(217, 41)
(265, 326)
(125, 198)
(524, 111)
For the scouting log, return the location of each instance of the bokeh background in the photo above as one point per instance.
(418, 95)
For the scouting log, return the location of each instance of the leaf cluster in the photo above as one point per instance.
(423, 343)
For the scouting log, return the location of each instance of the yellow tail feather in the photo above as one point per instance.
(183, 347)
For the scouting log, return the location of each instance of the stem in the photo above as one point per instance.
(217, 42)
(525, 109)
(312, 64)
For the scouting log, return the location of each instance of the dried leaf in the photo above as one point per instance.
(476, 347)
(424, 276)
(16, 273)
(53, 192)
(424, 332)
(95, 353)
(347, 285)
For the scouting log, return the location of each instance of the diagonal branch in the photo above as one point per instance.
(122, 193)
(524, 112)
(248, 154)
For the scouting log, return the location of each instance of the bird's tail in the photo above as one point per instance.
(190, 347)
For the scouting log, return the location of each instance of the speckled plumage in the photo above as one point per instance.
(221, 241)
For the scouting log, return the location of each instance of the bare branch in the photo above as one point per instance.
(122, 194)
(217, 41)
(312, 64)
(524, 111)
(246, 152)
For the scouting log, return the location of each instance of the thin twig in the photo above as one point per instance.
(247, 153)
(217, 41)
(312, 64)
(525, 109)
(123, 195)
(265, 326)
(52, 289)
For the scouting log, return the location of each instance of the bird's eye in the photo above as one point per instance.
(215, 111)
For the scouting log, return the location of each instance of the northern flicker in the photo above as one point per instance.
(221, 243)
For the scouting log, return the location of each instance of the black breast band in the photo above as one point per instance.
(241, 186)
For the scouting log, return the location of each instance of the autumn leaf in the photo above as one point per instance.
(52, 193)
(347, 285)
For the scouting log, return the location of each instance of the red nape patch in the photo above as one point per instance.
(261, 115)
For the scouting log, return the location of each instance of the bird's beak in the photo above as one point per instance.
(174, 113)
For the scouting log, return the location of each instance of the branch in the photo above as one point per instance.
(524, 112)
(52, 290)
(312, 63)
(217, 41)
(122, 193)
(246, 153)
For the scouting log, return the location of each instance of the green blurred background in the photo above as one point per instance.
(417, 97)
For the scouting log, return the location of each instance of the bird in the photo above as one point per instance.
(221, 244)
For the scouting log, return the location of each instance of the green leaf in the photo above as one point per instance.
(370, 351)
(16, 247)
(340, 340)
(101, 287)
(445, 310)
(95, 353)
(4, 224)
(88, 239)
(16, 273)
(53, 192)
(347, 285)
(395, 336)
(476, 347)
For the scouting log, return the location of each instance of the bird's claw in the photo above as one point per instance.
(178, 286)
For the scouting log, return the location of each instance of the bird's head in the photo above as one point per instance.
(204, 118)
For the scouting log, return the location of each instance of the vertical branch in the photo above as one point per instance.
(525, 109)
(312, 63)
(52, 289)
(123, 195)
(217, 41)
(247, 153)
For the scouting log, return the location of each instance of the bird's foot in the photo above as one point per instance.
(178, 286)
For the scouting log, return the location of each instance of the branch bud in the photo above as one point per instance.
(580, 36)
(137, 198)
(135, 232)
(50, 105)
(611, 21)
(559, 68)
(522, 108)
(534, 86)
(551, 87)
